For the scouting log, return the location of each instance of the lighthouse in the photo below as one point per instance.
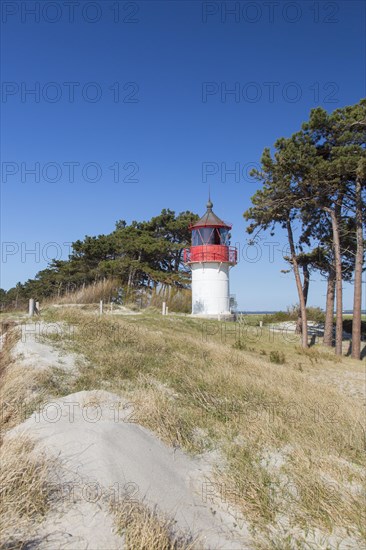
(210, 258)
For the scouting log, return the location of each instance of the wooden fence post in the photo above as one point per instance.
(31, 307)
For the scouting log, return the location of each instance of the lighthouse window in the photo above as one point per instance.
(206, 235)
(216, 236)
(196, 238)
(225, 237)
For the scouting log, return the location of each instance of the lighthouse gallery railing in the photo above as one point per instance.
(210, 253)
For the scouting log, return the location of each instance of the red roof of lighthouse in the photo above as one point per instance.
(209, 219)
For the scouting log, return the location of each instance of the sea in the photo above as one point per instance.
(345, 312)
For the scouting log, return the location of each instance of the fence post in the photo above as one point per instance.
(37, 308)
(31, 307)
(101, 307)
(164, 308)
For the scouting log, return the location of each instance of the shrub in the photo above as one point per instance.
(279, 317)
(315, 314)
(239, 344)
(277, 357)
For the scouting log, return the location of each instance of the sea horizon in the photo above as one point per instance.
(269, 312)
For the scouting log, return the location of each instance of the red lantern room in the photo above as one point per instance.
(210, 240)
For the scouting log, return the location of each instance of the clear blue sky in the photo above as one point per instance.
(281, 58)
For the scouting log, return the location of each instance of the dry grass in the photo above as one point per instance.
(22, 389)
(12, 383)
(25, 487)
(292, 448)
(9, 339)
(146, 529)
(176, 299)
(90, 294)
(25, 491)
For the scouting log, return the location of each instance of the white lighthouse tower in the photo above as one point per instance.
(210, 258)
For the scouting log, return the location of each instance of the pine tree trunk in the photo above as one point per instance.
(329, 311)
(306, 284)
(130, 276)
(305, 291)
(357, 297)
(295, 264)
(298, 329)
(339, 290)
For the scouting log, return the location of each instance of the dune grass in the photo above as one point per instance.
(144, 528)
(292, 447)
(26, 490)
(25, 478)
(21, 389)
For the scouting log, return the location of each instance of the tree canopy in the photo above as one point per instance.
(316, 179)
(142, 254)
